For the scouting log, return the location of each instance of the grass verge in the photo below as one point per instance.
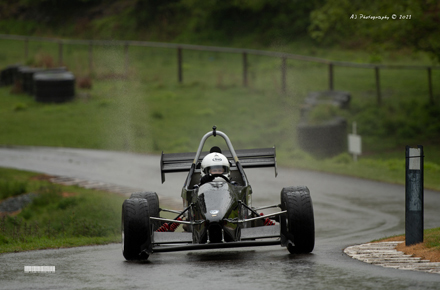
(59, 216)
(428, 250)
(385, 169)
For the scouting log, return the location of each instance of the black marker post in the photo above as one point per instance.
(414, 196)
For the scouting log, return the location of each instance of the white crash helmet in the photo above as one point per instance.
(215, 163)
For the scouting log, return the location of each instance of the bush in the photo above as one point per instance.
(20, 107)
(322, 113)
(85, 83)
(400, 122)
(343, 158)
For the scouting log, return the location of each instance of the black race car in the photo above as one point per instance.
(217, 214)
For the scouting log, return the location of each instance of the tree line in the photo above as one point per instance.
(374, 24)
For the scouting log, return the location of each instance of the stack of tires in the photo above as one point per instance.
(54, 86)
(7, 75)
(323, 140)
(328, 138)
(25, 75)
(339, 99)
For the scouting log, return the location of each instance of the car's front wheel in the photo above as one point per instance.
(135, 228)
(298, 226)
(153, 205)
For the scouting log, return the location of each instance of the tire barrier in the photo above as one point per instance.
(25, 77)
(54, 86)
(323, 140)
(7, 75)
(329, 138)
(4, 77)
(339, 99)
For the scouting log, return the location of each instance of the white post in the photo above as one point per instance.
(354, 143)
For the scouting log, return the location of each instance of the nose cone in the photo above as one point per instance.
(215, 201)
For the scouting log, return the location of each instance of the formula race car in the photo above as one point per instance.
(217, 210)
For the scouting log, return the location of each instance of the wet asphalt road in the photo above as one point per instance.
(348, 211)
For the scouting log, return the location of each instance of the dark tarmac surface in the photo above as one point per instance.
(348, 211)
(101, 267)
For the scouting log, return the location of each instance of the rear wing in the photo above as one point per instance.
(248, 158)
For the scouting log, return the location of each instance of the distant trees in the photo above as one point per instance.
(379, 24)
(220, 21)
(351, 23)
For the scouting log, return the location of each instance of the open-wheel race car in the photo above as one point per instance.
(217, 210)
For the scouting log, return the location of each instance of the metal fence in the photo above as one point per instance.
(244, 52)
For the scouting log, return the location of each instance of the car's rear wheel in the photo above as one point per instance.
(135, 228)
(298, 225)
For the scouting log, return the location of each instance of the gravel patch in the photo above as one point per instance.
(16, 203)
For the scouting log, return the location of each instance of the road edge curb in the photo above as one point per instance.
(385, 254)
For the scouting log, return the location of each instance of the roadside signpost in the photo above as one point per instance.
(354, 143)
(414, 195)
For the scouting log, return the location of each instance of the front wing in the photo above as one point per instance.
(182, 241)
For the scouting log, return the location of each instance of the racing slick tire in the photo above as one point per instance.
(135, 228)
(153, 204)
(152, 198)
(299, 224)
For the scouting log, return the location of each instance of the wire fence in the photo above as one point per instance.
(245, 55)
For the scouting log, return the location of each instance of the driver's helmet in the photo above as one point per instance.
(215, 163)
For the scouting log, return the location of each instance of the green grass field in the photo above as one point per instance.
(59, 216)
(149, 111)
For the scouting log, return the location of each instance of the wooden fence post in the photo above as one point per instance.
(431, 95)
(60, 53)
(283, 74)
(179, 64)
(90, 57)
(379, 96)
(26, 49)
(126, 59)
(330, 76)
(245, 66)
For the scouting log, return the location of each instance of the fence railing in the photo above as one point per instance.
(244, 52)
